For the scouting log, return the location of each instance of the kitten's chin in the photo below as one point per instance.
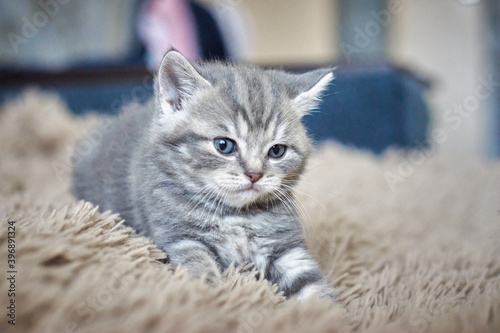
(244, 197)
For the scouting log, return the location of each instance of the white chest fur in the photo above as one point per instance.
(241, 241)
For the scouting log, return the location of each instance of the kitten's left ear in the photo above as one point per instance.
(178, 81)
(309, 87)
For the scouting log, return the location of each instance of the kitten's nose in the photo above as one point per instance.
(254, 176)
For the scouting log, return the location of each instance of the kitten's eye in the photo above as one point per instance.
(277, 151)
(225, 146)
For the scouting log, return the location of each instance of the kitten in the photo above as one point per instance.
(207, 172)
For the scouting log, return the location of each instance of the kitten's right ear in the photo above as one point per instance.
(178, 81)
(310, 86)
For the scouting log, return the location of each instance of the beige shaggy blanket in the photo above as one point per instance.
(410, 241)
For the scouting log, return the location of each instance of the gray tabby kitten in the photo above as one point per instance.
(207, 172)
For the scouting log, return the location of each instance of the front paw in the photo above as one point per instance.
(213, 278)
(320, 290)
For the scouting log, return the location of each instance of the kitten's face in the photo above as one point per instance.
(236, 131)
(247, 155)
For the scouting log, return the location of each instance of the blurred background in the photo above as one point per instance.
(413, 74)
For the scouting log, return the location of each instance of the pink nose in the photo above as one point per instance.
(254, 176)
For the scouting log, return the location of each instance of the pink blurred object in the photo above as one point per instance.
(164, 24)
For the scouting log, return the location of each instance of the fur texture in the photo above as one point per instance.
(163, 169)
(421, 258)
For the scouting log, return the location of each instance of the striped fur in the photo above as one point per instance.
(158, 167)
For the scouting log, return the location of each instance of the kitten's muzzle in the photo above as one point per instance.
(254, 176)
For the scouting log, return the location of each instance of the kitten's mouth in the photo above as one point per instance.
(248, 189)
(244, 195)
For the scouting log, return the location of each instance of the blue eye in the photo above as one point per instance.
(277, 151)
(225, 146)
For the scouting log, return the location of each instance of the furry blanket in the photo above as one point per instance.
(410, 241)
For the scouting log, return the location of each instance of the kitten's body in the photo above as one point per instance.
(157, 166)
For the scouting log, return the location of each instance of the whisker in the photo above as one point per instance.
(221, 203)
(291, 188)
(312, 168)
(193, 199)
(209, 208)
(304, 216)
(207, 204)
(300, 181)
(283, 201)
(289, 205)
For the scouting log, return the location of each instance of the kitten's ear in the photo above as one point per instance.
(309, 87)
(178, 81)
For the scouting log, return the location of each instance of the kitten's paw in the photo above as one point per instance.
(213, 279)
(316, 290)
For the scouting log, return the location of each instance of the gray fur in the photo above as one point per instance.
(157, 166)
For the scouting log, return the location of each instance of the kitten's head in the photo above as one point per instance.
(234, 132)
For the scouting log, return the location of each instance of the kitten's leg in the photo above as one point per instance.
(296, 273)
(196, 258)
